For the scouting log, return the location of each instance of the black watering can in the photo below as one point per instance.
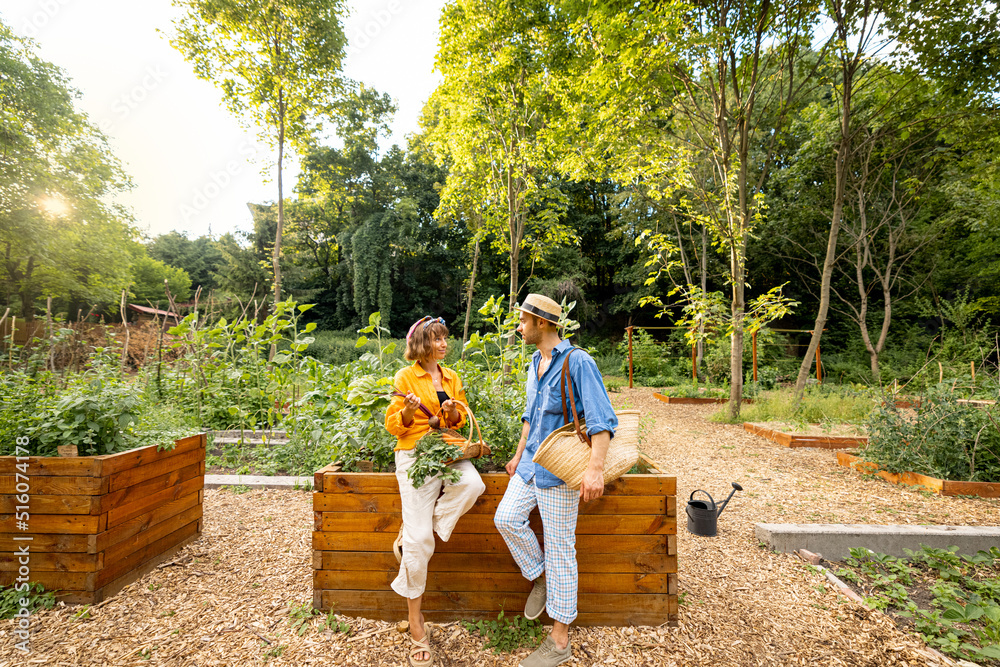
(703, 516)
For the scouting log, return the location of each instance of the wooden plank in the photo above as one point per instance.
(143, 522)
(981, 489)
(55, 562)
(56, 466)
(131, 476)
(59, 524)
(57, 486)
(496, 484)
(148, 566)
(500, 561)
(133, 543)
(120, 515)
(685, 400)
(114, 570)
(356, 602)
(131, 494)
(496, 582)
(487, 504)
(623, 618)
(116, 463)
(487, 543)
(586, 524)
(47, 543)
(319, 475)
(52, 504)
(79, 581)
(802, 440)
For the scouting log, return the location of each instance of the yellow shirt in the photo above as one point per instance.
(414, 378)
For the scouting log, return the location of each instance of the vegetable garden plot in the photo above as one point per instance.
(97, 523)
(626, 549)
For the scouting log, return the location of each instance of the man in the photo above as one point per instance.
(554, 572)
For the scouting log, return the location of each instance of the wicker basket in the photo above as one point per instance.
(566, 456)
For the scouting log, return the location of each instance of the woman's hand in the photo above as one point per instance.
(410, 404)
(451, 411)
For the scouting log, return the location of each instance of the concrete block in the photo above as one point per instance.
(257, 481)
(834, 540)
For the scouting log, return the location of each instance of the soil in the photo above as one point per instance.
(225, 600)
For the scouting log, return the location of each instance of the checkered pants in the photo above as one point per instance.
(558, 507)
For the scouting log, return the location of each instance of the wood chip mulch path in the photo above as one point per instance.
(225, 600)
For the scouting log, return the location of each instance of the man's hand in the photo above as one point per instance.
(511, 466)
(592, 485)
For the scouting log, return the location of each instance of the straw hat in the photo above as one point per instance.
(542, 306)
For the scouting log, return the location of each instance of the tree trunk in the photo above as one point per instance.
(281, 202)
(736, 356)
(843, 160)
(468, 301)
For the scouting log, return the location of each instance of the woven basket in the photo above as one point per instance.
(566, 456)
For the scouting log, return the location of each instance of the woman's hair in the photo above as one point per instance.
(418, 345)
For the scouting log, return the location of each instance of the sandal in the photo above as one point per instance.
(422, 646)
(397, 546)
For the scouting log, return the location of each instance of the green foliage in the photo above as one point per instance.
(963, 619)
(507, 634)
(61, 235)
(36, 596)
(947, 440)
(148, 278)
(432, 454)
(819, 405)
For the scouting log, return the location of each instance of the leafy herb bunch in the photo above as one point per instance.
(432, 454)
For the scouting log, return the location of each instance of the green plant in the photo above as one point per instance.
(301, 616)
(507, 634)
(35, 594)
(947, 440)
(432, 453)
(963, 619)
(333, 622)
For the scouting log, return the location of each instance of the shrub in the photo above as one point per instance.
(947, 440)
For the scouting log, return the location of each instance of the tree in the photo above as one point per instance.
(61, 234)
(670, 88)
(278, 64)
(148, 278)
(487, 114)
(200, 258)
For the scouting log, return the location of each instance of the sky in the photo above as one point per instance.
(193, 165)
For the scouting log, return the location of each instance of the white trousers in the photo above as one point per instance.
(425, 511)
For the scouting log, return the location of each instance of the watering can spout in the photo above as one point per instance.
(736, 487)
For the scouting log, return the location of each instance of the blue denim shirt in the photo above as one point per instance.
(544, 410)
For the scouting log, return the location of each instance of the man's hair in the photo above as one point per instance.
(418, 347)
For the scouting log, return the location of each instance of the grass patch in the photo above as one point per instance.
(819, 405)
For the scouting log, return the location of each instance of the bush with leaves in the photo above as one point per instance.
(948, 439)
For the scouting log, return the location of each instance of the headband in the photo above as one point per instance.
(426, 320)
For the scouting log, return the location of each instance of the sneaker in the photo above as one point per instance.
(535, 605)
(547, 655)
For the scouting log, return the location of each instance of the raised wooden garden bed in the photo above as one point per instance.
(98, 523)
(805, 440)
(626, 549)
(683, 400)
(942, 487)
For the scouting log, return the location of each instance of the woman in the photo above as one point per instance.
(426, 509)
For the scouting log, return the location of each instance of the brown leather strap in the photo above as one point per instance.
(566, 386)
